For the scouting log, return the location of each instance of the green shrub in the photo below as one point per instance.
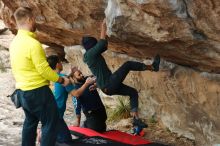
(122, 110)
(153, 120)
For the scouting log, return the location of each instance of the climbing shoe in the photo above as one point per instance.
(139, 123)
(156, 63)
(136, 130)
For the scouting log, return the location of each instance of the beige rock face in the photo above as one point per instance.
(183, 100)
(183, 32)
(5, 35)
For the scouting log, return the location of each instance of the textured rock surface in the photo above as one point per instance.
(5, 35)
(4, 59)
(185, 101)
(183, 32)
(10, 118)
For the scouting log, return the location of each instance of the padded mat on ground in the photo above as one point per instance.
(88, 137)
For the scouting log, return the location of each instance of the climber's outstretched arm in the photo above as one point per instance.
(103, 34)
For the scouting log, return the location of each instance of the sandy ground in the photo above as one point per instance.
(11, 121)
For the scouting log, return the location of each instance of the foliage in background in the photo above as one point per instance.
(122, 110)
(153, 119)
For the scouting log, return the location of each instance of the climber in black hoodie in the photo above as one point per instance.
(111, 83)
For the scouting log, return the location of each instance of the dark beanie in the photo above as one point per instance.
(88, 42)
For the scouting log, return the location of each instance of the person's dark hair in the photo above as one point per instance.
(88, 42)
(22, 13)
(53, 60)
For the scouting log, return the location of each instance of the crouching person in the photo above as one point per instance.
(88, 99)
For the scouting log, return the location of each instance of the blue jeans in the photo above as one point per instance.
(39, 105)
(63, 134)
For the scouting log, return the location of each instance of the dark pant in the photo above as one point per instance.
(95, 120)
(63, 134)
(39, 105)
(116, 87)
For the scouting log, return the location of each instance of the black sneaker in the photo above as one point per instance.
(139, 123)
(156, 63)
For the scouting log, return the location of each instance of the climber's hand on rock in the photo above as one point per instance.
(103, 30)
